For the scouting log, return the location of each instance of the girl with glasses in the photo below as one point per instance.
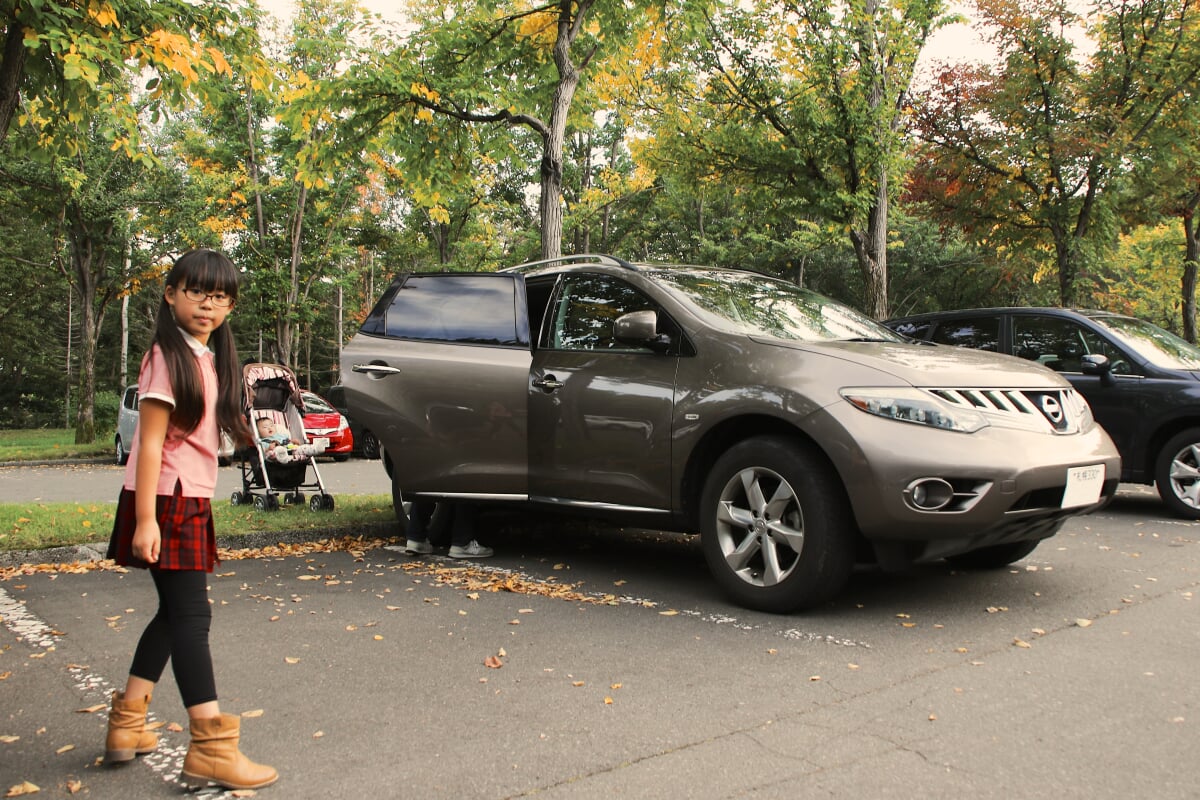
(190, 391)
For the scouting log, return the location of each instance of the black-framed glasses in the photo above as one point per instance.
(197, 295)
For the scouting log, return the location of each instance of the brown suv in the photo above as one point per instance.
(793, 433)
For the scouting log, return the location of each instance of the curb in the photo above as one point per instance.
(66, 462)
(95, 551)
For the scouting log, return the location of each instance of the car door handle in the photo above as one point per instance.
(375, 369)
(548, 383)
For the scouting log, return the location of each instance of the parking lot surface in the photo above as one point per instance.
(588, 662)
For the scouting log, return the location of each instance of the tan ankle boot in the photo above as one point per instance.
(213, 757)
(127, 734)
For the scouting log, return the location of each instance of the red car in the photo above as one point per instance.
(323, 420)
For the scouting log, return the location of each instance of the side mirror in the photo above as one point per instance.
(641, 328)
(1097, 364)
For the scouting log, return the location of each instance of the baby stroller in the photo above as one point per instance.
(273, 402)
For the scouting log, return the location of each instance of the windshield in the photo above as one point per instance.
(315, 405)
(1160, 347)
(758, 305)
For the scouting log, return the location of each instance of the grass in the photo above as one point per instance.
(33, 526)
(50, 444)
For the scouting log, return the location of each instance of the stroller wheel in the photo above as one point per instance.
(321, 502)
(235, 499)
(327, 501)
(295, 499)
(260, 502)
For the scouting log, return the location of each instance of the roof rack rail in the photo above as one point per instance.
(595, 258)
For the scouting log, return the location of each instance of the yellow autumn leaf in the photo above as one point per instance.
(258, 712)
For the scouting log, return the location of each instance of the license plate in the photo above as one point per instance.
(1083, 486)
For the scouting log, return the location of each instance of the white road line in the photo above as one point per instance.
(166, 761)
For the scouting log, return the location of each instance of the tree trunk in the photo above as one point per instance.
(1191, 262)
(12, 69)
(87, 255)
(870, 248)
(285, 326)
(550, 203)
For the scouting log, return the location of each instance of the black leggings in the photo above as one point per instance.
(179, 633)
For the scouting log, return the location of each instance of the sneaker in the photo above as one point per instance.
(418, 547)
(471, 550)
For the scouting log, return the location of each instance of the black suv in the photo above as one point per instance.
(1142, 382)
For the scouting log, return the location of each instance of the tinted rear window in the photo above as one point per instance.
(464, 309)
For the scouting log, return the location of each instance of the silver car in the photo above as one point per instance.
(796, 435)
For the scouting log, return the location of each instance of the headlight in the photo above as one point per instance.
(916, 406)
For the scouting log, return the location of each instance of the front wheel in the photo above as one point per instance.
(776, 527)
(122, 453)
(1177, 474)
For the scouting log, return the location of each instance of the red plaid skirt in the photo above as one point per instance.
(186, 524)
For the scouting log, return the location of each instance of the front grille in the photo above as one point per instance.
(1057, 410)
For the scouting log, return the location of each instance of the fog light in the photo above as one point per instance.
(929, 494)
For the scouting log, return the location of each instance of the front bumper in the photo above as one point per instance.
(1018, 477)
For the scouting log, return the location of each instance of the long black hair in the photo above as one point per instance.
(211, 271)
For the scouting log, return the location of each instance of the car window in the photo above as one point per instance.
(130, 400)
(587, 308)
(915, 329)
(978, 333)
(756, 305)
(467, 308)
(1158, 346)
(315, 405)
(1060, 344)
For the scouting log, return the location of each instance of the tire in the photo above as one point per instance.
(122, 453)
(994, 557)
(315, 503)
(341, 457)
(236, 499)
(260, 502)
(776, 527)
(1177, 474)
(327, 502)
(370, 446)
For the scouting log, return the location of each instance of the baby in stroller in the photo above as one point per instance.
(280, 447)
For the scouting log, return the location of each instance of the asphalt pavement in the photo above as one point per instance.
(585, 661)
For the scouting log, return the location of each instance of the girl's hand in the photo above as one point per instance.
(147, 540)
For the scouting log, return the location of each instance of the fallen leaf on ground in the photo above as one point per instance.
(1021, 643)
(291, 660)
(23, 788)
(1083, 623)
(73, 786)
(91, 709)
(493, 662)
(8, 738)
(66, 748)
(174, 727)
(258, 712)
(670, 613)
